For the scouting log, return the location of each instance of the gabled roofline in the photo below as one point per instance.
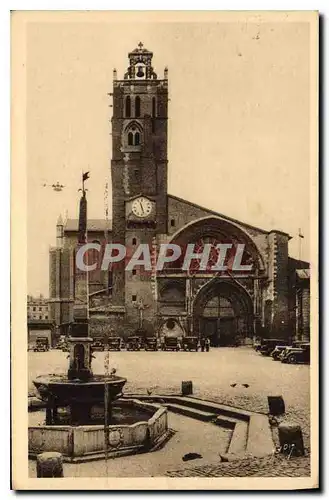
(236, 221)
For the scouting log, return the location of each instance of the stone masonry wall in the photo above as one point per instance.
(279, 277)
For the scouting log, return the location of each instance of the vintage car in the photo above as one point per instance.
(276, 353)
(41, 344)
(97, 345)
(268, 345)
(134, 344)
(257, 346)
(114, 344)
(190, 343)
(293, 355)
(151, 344)
(65, 347)
(171, 344)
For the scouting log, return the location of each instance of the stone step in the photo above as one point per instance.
(212, 407)
(260, 442)
(190, 412)
(239, 437)
(200, 404)
(225, 421)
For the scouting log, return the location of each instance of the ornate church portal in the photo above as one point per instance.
(223, 312)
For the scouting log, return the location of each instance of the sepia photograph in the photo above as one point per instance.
(165, 250)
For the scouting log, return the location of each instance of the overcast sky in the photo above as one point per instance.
(238, 121)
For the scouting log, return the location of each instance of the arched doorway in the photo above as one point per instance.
(223, 312)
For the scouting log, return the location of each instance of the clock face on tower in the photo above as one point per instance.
(142, 207)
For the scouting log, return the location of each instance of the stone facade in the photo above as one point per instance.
(37, 308)
(170, 302)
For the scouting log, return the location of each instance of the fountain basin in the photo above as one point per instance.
(87, 442)
(63, 391)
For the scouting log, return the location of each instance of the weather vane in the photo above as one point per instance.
(85, 176)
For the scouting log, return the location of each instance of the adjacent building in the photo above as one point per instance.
(39, 322)
(37, 308)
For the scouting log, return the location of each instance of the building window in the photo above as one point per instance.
(46, 317)
(134, 241)
(134, 136)
(40, 317)
(128, 107)
(153, 114)
(172, 222)
(134, 272)
(137, 176)
(137, 107)
(134, 298)
(34, 308)
(40, 309)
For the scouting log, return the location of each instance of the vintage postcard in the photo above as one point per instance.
(164, 250)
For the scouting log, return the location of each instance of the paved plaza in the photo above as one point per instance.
(218, 376)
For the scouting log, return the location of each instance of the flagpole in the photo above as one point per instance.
(300, 236)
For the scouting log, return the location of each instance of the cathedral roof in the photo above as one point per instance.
(92, 225)
(303, 274)
(213, 212)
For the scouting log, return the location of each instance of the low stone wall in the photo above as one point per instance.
(85, 442)
(50, 438)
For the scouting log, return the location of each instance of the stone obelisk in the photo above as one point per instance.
(79, 340)
(81, 302)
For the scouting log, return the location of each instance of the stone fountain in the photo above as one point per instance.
(80, 390)
(86, 417)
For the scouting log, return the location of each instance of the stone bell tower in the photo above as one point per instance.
(139, 160)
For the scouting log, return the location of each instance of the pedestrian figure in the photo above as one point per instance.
(202, 343)
(207, 344)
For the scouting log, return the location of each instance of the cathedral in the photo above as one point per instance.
(270, 301)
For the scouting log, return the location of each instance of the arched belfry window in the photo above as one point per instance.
(137, 106)
(128, 107)
(133, 135)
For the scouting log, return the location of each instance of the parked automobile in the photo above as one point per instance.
(114, 344)
(190, 343)
(97, 345)
(65, 347)
(151, 344)
(276, 353)
(133, 344)
(294, 344)
(293, 355)
(41, 344)
(60, 344)
(268, 345)
(171, 344)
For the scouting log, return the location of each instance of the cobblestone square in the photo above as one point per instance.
(220, 375)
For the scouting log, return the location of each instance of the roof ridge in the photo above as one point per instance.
(265, 231)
